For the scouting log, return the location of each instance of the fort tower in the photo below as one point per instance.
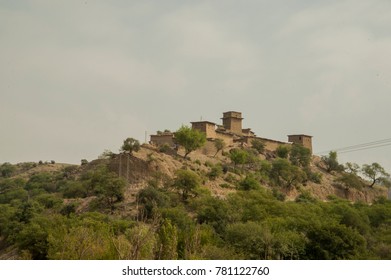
(301, 139)
(232, 121)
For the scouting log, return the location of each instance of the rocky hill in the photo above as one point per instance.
(156, 204)
(140, 167)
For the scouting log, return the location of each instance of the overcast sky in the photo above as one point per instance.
(78, 77)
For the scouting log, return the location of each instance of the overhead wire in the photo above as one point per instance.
(360, 147)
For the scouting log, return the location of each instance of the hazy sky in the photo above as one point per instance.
(78, 77)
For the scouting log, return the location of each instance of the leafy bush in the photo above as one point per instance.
(12, 194)
(315, 177)
(258, 145)
(350, 180)
(239, 156)
(305, 197)
(7, 169)
(49, 200)
(130, 145)
(282, 151)
(150, 199)
(214, 212)
(216, 171)
(186, 182)
(74, 189)
(300, 155)
(278, 194)
(44, 181)
(165, 148)
(284, 174)
(249, 183)
(219, 145)
(331, 162)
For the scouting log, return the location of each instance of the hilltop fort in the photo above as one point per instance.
(231, 132)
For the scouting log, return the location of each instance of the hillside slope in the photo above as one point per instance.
(154, 204)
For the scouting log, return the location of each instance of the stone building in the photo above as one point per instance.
(232, 121)
(231, 132)
(301, 139)
(163, 138)
(209, 128)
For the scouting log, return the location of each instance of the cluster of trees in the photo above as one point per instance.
(80, 212)
(352, 174)
(180, 219)
(290, 168)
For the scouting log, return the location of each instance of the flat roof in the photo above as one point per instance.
(300, 135)
(204, 122)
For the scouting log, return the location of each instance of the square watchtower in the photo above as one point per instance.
(232, 121)
(206, 127)
(301, 139)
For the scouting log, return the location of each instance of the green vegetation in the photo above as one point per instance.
(190, 139)
(258, 145)
(239, 156)
(130, 145)
(186, 182)
(219, 145)
(283, 151)
(332, 163)
(89, 212)
(7, 169)
(374, 172)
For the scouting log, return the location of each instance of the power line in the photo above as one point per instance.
(365, 144)
(366, 148)
(360, 147)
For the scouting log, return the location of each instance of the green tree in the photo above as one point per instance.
(41, 181)
(74, 189)
(352, 168)
(7, 169)
(282, 151)
(80, 242)
(258, 145)
(350, 180)
(289, 244)
(150, 199)
(249, 183)
(374, 172)
(130, 145)
(238, 156)
(252, 240)
(285, 174)
(105, 184)
(106, 154)
(186, 182)
(331, 162)
(190, 139)
(111, 190)
(168, 241)
(334, 242)
(219, 145)
(33, 237)
(215, 171)
(12, 189)
(214, 212)
(300, 155)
